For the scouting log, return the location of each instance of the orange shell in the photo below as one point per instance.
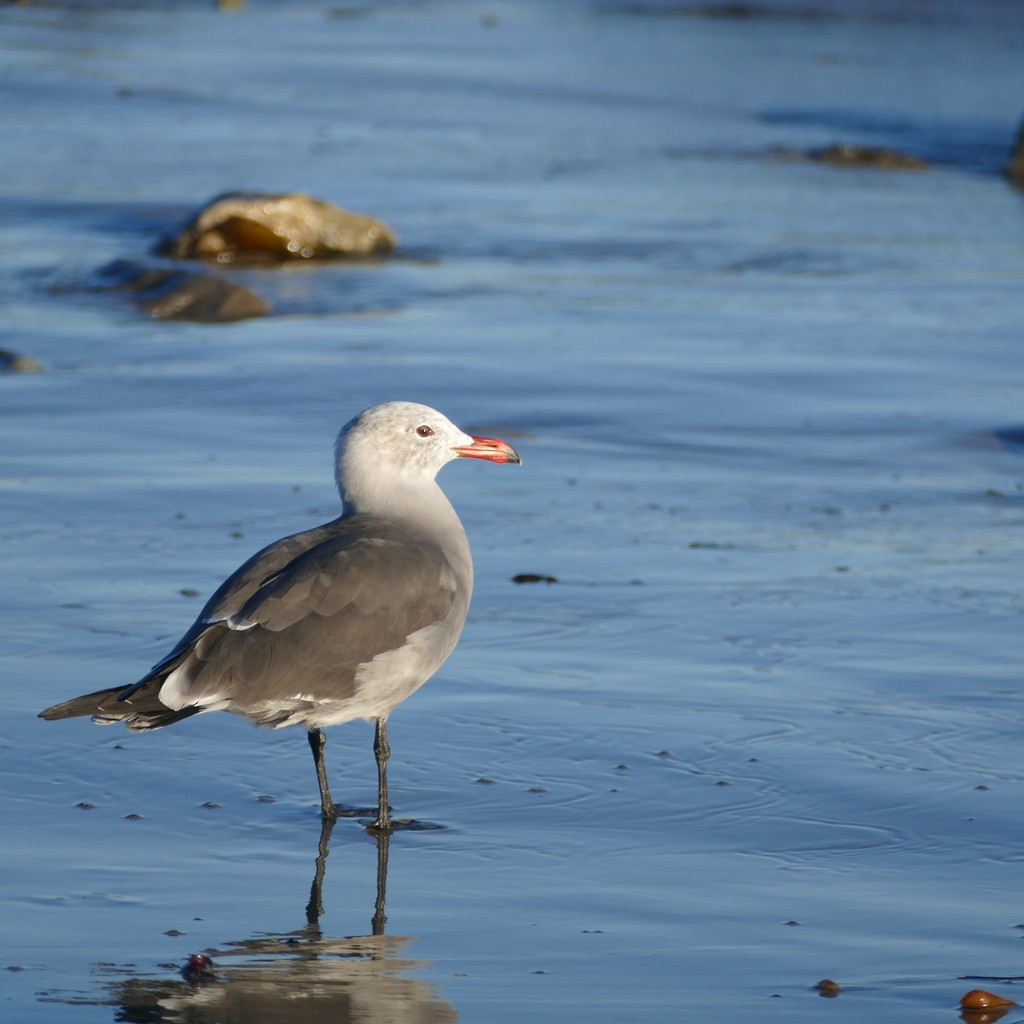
(979, 999)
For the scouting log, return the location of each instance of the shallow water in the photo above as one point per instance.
(766, 727)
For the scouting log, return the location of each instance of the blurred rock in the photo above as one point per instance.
(181, 295)
(846, 155)
(1014, 170)
(15, 362)
(253, 228)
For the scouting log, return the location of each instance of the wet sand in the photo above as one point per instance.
(764, 729)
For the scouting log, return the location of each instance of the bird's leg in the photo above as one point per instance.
(317, 742)
(383, 752)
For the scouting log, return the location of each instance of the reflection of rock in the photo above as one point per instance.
(253, 228)
(167, 294)
(846, 155)
(1014, 170)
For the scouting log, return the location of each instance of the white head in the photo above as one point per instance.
(391, 449)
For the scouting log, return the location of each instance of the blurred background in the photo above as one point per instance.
(743, 284)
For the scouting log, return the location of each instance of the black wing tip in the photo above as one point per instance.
(65, 709)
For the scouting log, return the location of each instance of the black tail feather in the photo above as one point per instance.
(142, 710)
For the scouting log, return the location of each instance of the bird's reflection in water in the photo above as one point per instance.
(300, 977)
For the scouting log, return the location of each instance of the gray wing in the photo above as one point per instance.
(304, 614)
(232, 594)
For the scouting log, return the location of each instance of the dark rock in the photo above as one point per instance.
(730, 11)
(199, 970)
(1014, 170)
(167, 294)
(253, 228)
(532, 577)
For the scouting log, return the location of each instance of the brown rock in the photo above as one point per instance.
(254, 228)
(204, 299)
(179, 295)
(846, 155)
(980, 999)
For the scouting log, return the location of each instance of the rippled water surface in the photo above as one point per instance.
(766, 727)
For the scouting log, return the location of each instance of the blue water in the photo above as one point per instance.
(766, 727)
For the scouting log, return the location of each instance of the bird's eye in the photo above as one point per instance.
(425, 431)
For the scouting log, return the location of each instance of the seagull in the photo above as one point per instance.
(339, 622)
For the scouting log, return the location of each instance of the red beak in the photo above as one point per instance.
(493, 449)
